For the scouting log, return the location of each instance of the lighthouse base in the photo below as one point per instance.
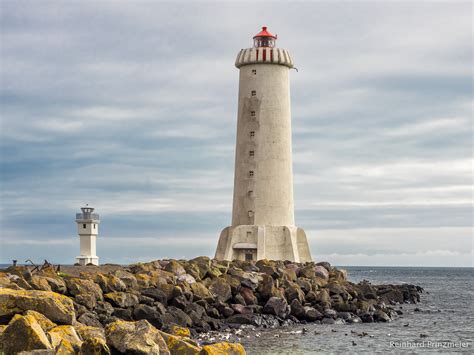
(87, 259)
(253, 242)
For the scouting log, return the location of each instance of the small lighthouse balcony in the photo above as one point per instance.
(87, 216)
(87, 213)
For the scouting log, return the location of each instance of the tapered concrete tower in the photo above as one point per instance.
(263, 222)
(88, 229)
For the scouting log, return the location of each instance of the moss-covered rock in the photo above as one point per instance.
(56, 307)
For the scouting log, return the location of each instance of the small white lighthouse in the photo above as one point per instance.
(88, 229)
(263, 224)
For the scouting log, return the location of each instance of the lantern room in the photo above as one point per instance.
(264, 39)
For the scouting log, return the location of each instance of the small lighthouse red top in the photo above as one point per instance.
(264, 39)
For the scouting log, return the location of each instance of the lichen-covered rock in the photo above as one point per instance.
(39, 283)
(66, 334)
(223, 348)
(94, 346)
(127, 278)
(180, 346)
(220, 289)
(44, 322)
(175, 267)
(180, 331)
(88, 332)
(293, 291)
(186, 278)
(121, 299)
(56, 307)
(201, 292)
(23, 333)
(109, 283)
(135, 337)
(76, 286)
(203, 263)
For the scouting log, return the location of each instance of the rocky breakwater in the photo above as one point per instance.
(159, 307)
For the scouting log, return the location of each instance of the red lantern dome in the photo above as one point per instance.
(264, 39)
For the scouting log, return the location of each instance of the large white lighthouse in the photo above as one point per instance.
(88, 229)
(263, 222)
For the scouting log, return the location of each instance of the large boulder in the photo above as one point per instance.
(220, 289)
(135, 338)
(56, 307)
(122, 299)
(23, 333)
(277, 306)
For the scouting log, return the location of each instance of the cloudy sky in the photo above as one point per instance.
(131, 107)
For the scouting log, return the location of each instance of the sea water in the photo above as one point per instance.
(443, 321)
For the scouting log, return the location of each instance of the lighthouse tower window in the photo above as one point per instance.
(252, 134)
(254, 93)
(251, 173)
(251, 153)
(84, 225)
(252, 113)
